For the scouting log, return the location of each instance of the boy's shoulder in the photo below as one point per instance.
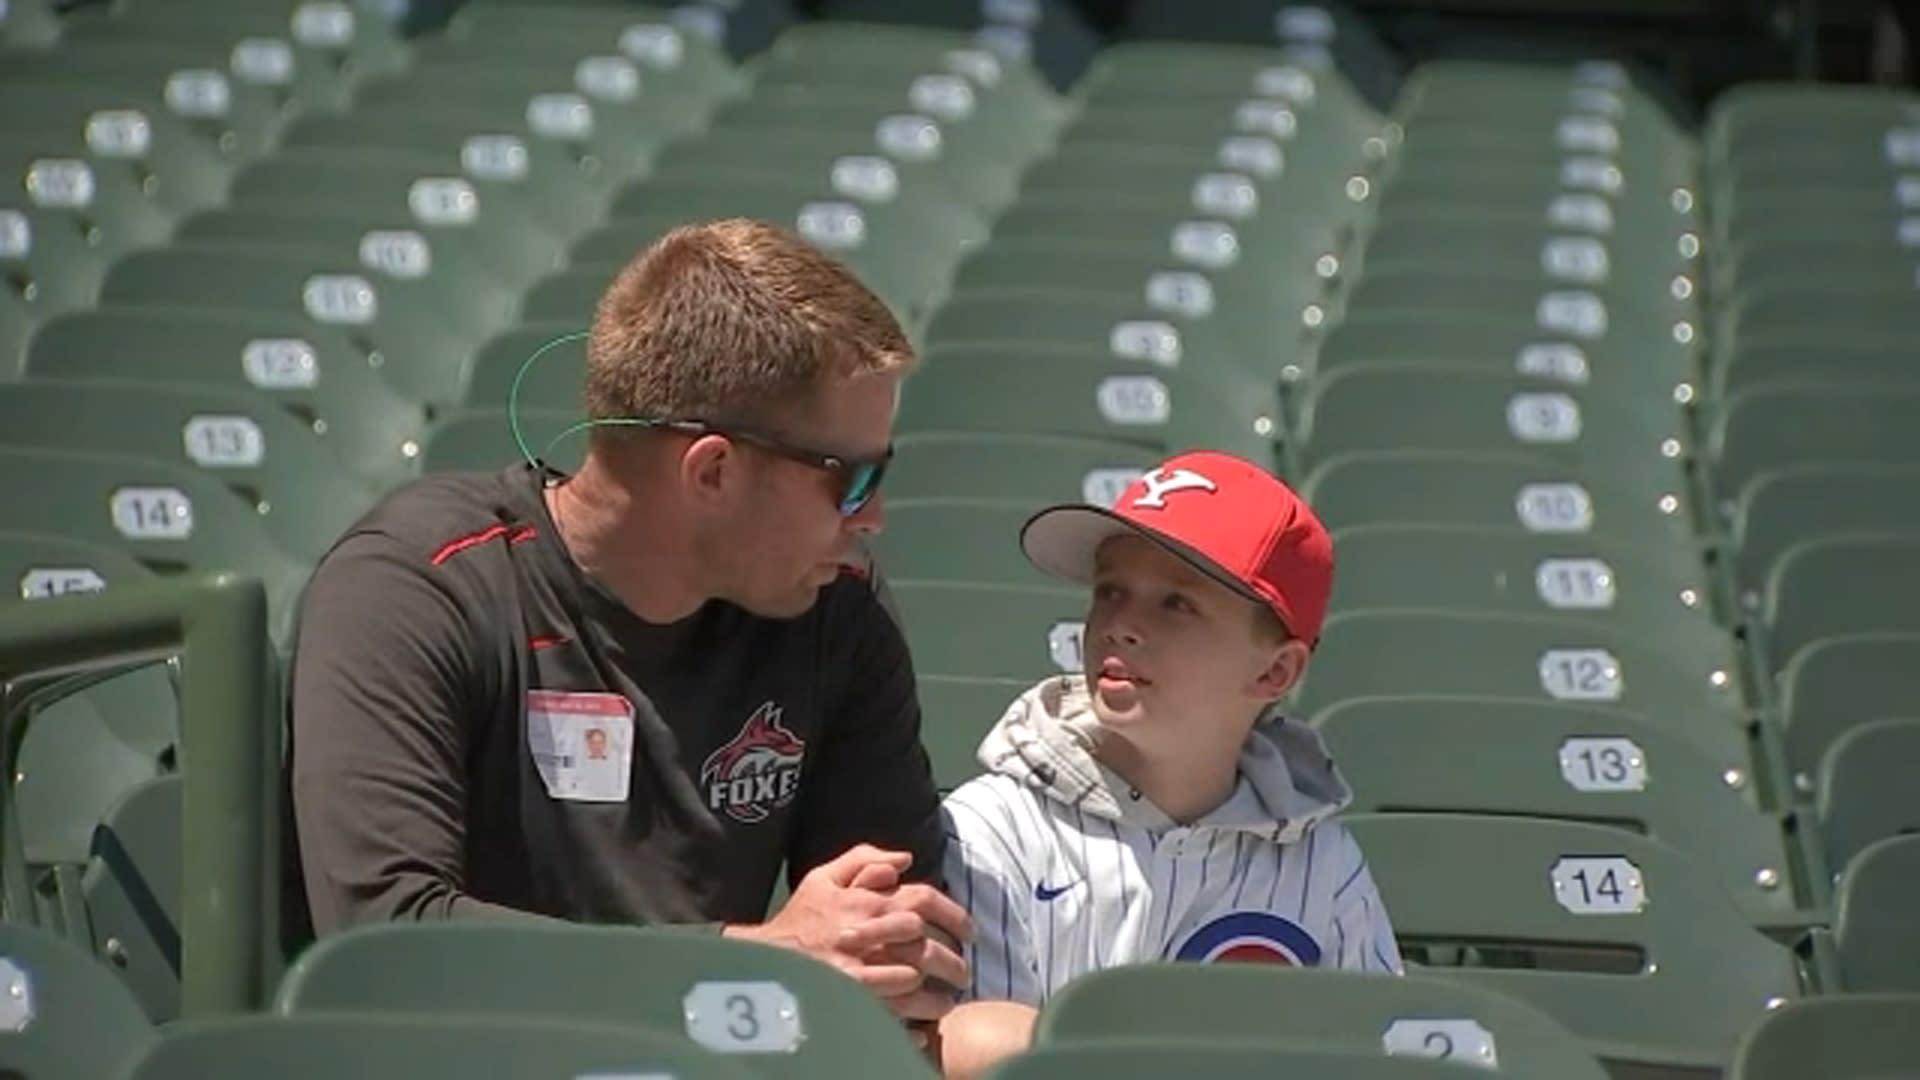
(989, 795)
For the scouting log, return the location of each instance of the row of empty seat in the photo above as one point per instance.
(1602, 399)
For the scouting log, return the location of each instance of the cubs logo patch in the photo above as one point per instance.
(1250, 937)
(757, 771)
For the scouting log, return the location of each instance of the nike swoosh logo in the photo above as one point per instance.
(1043, 894)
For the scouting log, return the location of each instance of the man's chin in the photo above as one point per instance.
(789, 606)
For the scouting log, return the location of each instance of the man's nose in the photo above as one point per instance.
(869, 519)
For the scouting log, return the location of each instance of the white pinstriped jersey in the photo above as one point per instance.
(1064, 871)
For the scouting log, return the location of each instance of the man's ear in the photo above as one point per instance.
(1286, 664)
(709, 468)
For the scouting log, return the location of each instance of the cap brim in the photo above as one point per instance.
(1062, 541)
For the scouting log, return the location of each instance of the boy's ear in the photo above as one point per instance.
(1285, 667)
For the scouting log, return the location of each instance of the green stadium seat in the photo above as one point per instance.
(956, 712)
(570, 296)
(1840, 316)
(622, 94)
(978, 175)
(133, 886)
(1320, 37)
(1105, 220)
(293, 63)
(327, 35)
(1596, 764)
(1039, 390)
(1836, 683)
(904, 248)
(1865, 791)
(100, 200)
(1120, 326)
(1637, 949)
(450, 269)
(997, 465)
(1786, 423)
(1050, 37)
(416, 348)
(68, 1018)
(311, 371)
(29, 24)
(1010, 632)
(420, 1048)
(1693, 694)
(1851, 1037)
(41, 565)
(1507, 246)
(1786, 505)
(1503, 570)
(551, 127)
(565, 184)
(966, 131)
(1756, 359)
(398, 189)
(554, 380)
(481, 440)
(1873, 918)
(955, 539)
(950, 97)
(1351, 1012)
(177, 167)
(1253, 316)
(1414, 406)
(51, 269)
(1140, 1059)
(687, 63)
(1839, 584)
(1122, 166)
(848, 169)
(82, 752)
(812, 1021)
(261, 453)
(850, 46)
(1582, 314)
(1615, 367)
(240, 119)
(1497, 489)
(1267, 203)
(1138, 71)
(168, 517)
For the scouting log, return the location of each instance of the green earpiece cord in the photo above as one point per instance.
(513, 406)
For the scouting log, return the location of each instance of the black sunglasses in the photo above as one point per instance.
(859, 479)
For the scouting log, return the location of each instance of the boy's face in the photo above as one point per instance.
(1167, 647)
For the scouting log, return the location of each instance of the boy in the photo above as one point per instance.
(1158, 806)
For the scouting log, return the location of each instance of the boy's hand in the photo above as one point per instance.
(975, 1037)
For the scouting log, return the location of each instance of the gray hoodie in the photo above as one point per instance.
(1065, 869)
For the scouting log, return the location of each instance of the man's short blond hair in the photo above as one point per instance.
(732, 321)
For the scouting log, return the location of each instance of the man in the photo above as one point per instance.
(687, 594)
(1158, 806)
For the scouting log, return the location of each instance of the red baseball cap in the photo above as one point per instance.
(1231, 519)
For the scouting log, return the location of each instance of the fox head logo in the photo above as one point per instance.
(757, 771)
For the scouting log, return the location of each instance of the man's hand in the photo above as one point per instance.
(855, 914)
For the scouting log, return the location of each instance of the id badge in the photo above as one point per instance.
(582, 744)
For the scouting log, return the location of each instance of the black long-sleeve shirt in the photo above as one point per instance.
(422, 786)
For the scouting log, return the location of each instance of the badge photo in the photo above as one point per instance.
(582, 744)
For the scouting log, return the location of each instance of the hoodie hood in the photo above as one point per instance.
(1287, 782)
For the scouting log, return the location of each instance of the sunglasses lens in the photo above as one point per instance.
(862, 482)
